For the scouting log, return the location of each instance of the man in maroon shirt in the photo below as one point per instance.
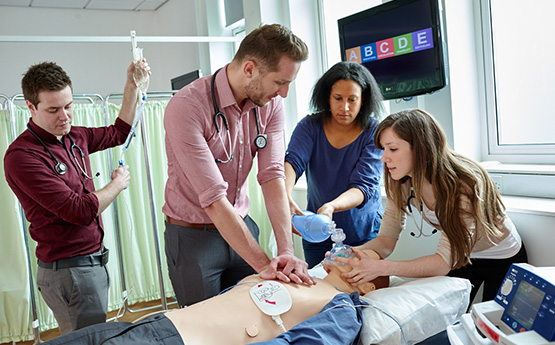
(48, 169)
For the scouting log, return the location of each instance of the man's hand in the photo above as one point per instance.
(121, 177)
(288, 268)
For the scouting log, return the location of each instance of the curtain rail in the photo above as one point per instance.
(118, 39)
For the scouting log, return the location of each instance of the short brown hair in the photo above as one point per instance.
(45, 76)
(268, 43)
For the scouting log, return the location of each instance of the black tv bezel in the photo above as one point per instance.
(185, 79)
(440, 80)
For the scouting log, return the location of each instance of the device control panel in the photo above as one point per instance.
(527, 296)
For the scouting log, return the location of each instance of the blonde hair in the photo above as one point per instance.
(454, 178)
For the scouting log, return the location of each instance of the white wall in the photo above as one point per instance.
(98, 67)
(459, 108)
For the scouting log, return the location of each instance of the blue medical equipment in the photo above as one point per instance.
(318, 228)
(522, 313)
(313, 227)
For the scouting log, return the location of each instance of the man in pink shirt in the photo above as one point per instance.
(215, 126)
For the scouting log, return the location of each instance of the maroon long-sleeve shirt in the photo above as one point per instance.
(61, 209)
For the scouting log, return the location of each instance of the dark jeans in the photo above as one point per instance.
(491, 272)
(157, 329)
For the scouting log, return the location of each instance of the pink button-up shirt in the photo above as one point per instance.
(195, 180)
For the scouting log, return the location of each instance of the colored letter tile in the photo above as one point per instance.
(386, 48)
(353, 54)
(403, 44)
(369, 52)
(422, 39)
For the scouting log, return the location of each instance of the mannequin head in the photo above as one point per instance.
(334, 277)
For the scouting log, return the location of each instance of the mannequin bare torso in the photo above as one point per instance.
(233, 318)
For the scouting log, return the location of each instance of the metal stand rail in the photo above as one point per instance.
(125, 306)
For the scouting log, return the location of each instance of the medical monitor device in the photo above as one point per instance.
(400, 43)
(527, 296)
(185, 79)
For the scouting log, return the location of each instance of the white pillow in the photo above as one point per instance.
(422, 307)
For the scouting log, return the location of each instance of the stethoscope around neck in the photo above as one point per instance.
(60, 167)
(260, 141)
(421, 209)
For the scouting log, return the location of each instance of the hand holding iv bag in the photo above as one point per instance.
(140, 76)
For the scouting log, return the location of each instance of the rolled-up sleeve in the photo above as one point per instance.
(271, 158)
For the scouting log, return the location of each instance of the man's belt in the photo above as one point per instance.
(174, 221)
(78, 261)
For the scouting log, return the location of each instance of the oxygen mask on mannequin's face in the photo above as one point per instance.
(339, 248)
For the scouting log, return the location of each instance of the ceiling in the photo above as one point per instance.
(124, 5)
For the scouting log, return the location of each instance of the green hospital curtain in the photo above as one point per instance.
(134, 219)
(15, 318)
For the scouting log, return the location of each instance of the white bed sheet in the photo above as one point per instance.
(421, 307)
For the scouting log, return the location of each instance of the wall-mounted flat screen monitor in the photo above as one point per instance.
(400, 43)
(187, 78)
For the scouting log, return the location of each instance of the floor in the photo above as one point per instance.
(133, 313)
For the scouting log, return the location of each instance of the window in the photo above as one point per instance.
(519, 74)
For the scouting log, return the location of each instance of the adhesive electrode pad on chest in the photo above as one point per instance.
(272, 298)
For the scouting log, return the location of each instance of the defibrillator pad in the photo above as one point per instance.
(271, 297)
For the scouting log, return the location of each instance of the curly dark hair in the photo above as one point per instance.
(371, 96)
(43, 76)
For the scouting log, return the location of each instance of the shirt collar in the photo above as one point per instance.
(44, 135)
(224, 93)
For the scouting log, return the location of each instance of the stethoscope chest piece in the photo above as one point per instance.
(260, 141)
(61, 168)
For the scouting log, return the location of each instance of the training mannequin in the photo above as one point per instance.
(233, 318)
